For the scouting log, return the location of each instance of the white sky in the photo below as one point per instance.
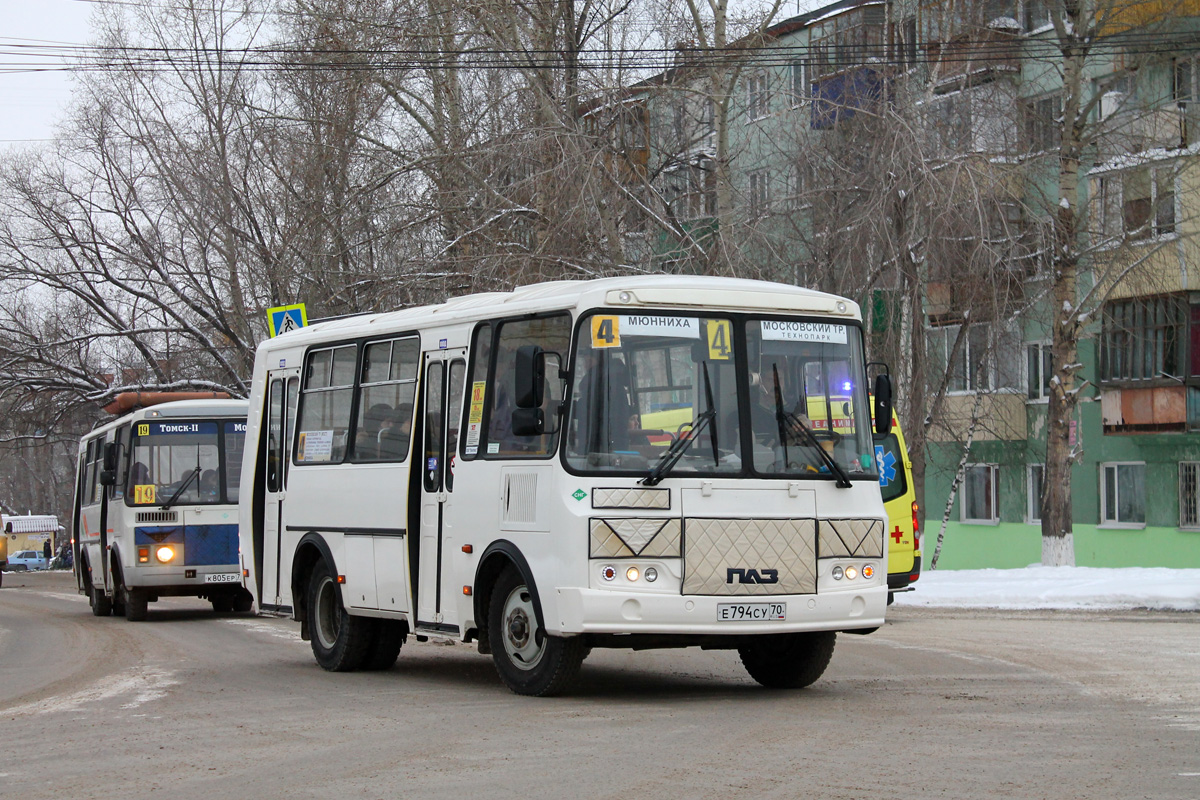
(34, 96)
(31, 100)
(1036, 587)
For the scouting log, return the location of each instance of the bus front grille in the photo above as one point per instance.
(748, 557)
(158, 516)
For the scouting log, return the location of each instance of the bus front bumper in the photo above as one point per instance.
(602, 611)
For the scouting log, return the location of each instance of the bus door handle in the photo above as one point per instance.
(442, 496)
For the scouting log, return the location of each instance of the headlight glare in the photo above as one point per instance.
(164, 553)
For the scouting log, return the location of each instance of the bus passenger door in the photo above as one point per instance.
(445, 375)
(282, 390)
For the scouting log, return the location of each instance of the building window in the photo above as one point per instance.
(1041, 120)
(760, 193)
(1137, 204)
(988, 358)
(757, 99)
(1189, 494)
(799, 184)
(1185, 80)
(979, 491)
(1035, 476)
(801, 85)
(1123, 494)
(1039, 367)
(1142, 339)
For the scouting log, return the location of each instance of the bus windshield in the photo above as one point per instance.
(642, 382)
(180, 461)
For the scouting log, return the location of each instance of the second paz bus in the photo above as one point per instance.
(498, 469)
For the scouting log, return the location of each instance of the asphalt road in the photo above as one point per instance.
(192, 704)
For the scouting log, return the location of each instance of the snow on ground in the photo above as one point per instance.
(1157, 588)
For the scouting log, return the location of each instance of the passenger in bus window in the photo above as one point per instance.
(139, 474)
(366, 444)
(393, 436)
(210, 486)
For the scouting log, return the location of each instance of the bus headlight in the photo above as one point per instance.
(837, 573)
(651, 574)
(164, 554)
(631, 574)
(851, 573)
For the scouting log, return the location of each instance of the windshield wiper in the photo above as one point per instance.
(187, 482)
(678, 447)
(789, 418)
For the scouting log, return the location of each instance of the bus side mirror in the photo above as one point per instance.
(108, 477)
(883, 404)
(528, 422)
(530, 380)
(112, 452)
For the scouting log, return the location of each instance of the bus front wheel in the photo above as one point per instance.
(529, 660)
(788, 660)
(340, 642)
(137, 603)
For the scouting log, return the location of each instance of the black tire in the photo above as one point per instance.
(340, 642)
(222, 603)
(788, 660)
(118, 598)
(101, 605)
(137, 604)
(530, 662)
(243, 602)
(385, 647)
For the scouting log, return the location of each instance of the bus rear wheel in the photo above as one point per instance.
(788, 660)
(529, 660)
(101, 605)
(340, 642)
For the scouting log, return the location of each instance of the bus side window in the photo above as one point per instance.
(328, 396)
(96, 450)
(553, 335)
(117, 490)
(477, 382)
(87, 466)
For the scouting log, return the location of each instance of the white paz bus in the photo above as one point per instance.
(643, 462)
(156, 505)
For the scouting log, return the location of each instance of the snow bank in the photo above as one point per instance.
(1039, 587)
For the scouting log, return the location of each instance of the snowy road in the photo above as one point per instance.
(940, 703)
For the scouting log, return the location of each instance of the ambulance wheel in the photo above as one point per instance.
(385, 647)
(340, 642)
(137, 603)
(788, 660)
(529, 660)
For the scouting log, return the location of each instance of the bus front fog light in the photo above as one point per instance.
(631, 574)
(608, 573)
(651, 574)
(851, 573)
(868, 571)
(837, 573)
(164, 554)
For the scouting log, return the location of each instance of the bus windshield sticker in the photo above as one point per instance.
(143, 494)
(315, 446)
(606, 332)
(176, 428)
(475, 420)
(658, 325)
(796, 331)
(719, 339)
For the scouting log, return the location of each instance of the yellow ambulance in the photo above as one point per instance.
(900, 502)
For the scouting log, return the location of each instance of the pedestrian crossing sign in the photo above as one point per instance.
(286, 318)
